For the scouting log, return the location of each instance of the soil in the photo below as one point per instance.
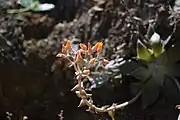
(36, 84)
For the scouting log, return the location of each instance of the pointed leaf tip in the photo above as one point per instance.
(44, 7)
(142, 52)
(157, 44)
(112, 114)
(155, 38)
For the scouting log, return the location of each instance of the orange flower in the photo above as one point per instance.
(94, 48)
(97, 47)
(86, 53)
(83, 46)
(63, 50)
(91, 62)
(105, 62)
(89, 48)
(79, 57)
(68, 45)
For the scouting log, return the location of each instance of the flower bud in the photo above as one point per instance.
(83, 46)
(78, 77)
(155, 38)
(94, 48)
(78, 93)
(89, 48)
(92, 61)
(99, 48)
(82, 103)
(86, 72)
(63, 50)
(79, 57)
(68, 45)
(83, 93)
(105, 62)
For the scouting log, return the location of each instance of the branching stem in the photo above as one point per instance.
(113, 107)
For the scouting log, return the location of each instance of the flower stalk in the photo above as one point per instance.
(89, 55)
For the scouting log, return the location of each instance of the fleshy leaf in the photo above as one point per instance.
(174, 70)
(142, 52)
(151, 92)
(158, 72)
(157, 44)
(171, 90)
(159, 77)
(158, 49)
(162, 59)
(14, 11)
(43, 7)
(26, 3)
(172, 53)
(141, 73)
(34, 5)
(128, 66)
(112, 114)
(155, 38)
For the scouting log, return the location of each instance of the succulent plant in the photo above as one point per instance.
(33, 5)
(90, 67)
(156, 69)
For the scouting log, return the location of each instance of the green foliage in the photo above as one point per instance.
(152, 53)
(32, 5)
(157, 70)
(150, 93)
(143, 53)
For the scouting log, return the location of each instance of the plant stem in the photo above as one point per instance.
(113, 107)
(15, 11)
(177, 83)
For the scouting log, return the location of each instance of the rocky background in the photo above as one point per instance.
(34, 83)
